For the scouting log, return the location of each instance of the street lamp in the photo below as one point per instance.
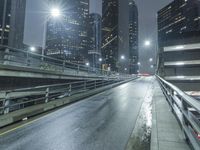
(33, 49)
(122, 57)
(150, 59)
(147, 43)
(55, 12)
(100, 59)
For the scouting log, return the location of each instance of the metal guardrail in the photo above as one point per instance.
(26, 58)
(12, 100)
(186, 109)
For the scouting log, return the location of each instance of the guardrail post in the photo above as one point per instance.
(102, 84)
(185, 108)
(47, 95)
(63, 65)
(27, 60)
(6, 104)
(78, 69)
(85, 85)
(95, 84)
(6, 56)
(70, 90)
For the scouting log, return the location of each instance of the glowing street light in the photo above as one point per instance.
(100, 59)
(33, 49)
(55, 12)
(87, 64)
(122, 57)
(139, 63)
(152, 66)
(147, 43)
(150, 59)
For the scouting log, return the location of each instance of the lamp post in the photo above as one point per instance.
(139, 64)
(54, 13)
(147, 43)
(122, 66)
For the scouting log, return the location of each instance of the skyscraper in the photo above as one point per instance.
(119, 35)
(110, 34)
(94, 52)
(133, 37)
(17, 21)
(5, 14)
(12, 17)
(68, 38)
(95, 25)
(178, 19)
(115, 37)
(179, 43)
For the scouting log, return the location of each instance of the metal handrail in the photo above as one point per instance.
(34, 60)
(12, 100)
(185, 104)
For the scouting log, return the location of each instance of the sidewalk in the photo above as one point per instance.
(166, 132)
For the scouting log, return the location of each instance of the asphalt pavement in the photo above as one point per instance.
(102, 122)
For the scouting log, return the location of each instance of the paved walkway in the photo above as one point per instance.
(166, 132)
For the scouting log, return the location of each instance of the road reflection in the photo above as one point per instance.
(141, 136)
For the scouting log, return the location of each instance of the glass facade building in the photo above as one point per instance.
(179, 43)
(110, 34)
(119, 35)
(94, 52)
(181, 18)
(5, 14)
(133, 37)
(12, 19)
(68, 37)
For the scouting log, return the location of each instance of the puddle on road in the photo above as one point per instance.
(141, 136)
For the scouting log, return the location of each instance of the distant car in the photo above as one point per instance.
(144, 74)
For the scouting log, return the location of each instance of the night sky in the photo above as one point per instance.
(148, 29)
(35, 17)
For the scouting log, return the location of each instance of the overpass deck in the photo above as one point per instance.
(107, 121)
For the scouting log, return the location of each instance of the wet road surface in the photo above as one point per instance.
(102, 122)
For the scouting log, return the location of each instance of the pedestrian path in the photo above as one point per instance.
(166, 132)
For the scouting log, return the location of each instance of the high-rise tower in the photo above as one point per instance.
(133, 37)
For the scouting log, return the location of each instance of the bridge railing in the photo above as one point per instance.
(12, 100)
(28, 59)
(186, 109)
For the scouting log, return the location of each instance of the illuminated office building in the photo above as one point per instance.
(12, 18)
(68, 37)
(133, 37)
(119, 35)
(179, 43)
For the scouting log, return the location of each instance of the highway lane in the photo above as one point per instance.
(102, 122)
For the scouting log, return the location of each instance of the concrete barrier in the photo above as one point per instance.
(41, 108)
